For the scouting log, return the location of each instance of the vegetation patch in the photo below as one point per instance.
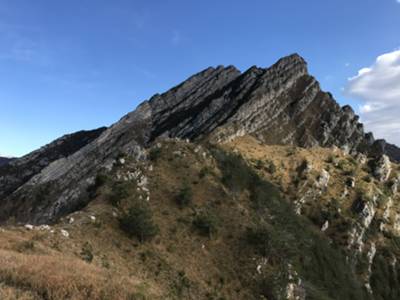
(155, 153)
(138, 222)
(86, 252)
(207, 223)
(286, 238)
(119, 192)
(184, 196)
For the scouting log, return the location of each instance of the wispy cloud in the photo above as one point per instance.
(17, 44)
(176, 38)
(378, 86)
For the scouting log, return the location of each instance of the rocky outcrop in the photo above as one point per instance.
(392, 151)
(381, 147)
(382, 168)
(282, 104)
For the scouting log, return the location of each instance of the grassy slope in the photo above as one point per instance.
(181, 262)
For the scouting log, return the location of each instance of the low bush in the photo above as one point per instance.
(204, 172)
(271, 168)
(206, 223)
(119, 192)
(259, 164)
(154, 153)
(138, 222)
(86, 252)
(184, 196)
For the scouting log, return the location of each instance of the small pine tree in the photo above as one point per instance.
(138, 222)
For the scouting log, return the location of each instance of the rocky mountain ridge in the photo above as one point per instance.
(282, 104)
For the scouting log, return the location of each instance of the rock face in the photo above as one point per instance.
(278, 105)
(381, 147)
(16, 173)
(282, 104)
(382, 168)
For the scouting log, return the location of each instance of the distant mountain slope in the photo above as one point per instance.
(18, 171)
(4, 160)
(282, 104)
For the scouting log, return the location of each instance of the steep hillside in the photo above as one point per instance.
(241, 220)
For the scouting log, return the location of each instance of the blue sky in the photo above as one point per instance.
(71, 65)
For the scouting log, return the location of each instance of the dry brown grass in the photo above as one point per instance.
(12, 293)
(52, 277)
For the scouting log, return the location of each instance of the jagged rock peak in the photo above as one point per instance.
(210, 98)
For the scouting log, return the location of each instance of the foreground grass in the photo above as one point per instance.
(52, 277)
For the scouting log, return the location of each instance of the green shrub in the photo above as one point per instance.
(119, 192)
(206, 223)
(259, 164)
(272, 285)
(184, 197)
(138, 222)
(181, 284)
(271, 168)
(101, 179)
(154, 153)
(86, 252)
(204, 172)
(271, 243)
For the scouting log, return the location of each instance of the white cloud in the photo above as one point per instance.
(378, 86)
